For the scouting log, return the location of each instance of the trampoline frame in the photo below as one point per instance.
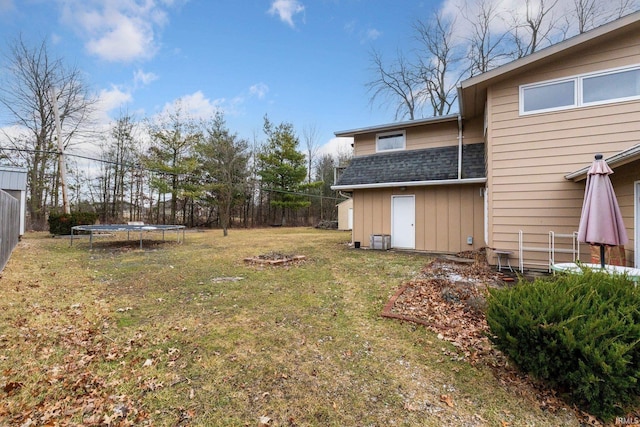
(128, 228)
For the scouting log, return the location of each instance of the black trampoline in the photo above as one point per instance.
(136, 228)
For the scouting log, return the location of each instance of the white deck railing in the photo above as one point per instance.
(528, 243)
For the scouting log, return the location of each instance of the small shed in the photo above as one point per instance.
(345, 215)
(13, 180)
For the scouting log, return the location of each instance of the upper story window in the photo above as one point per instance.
(549, 96)
(390, 141)
(587, 89)
(611, 86)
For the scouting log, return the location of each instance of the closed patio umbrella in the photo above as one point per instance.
(601, 222)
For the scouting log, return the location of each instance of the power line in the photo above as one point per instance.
(139, 166)
(275, 190)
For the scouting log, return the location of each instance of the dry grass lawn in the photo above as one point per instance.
(190, 334)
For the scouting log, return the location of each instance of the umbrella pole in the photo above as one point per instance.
(602, 256)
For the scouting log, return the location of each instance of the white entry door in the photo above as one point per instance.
(403, 219)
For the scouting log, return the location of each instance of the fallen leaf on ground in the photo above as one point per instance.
(446, 399)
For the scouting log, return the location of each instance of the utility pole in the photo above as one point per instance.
(61, 163)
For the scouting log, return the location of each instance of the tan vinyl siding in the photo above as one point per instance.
(528, 156)
(445, 216)
(473, 131)
(623, 180)
(432, 136)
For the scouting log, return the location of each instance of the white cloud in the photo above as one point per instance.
(371, 34)
(109, 100)
(286, 10)
(117, 30)
(142, 78)
(350, 27)
(195, 106)
(55, 38)
(337, 147)
(259, 90)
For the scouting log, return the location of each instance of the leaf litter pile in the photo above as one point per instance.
(449, 298)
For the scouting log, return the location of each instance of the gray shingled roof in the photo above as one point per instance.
(432, 164)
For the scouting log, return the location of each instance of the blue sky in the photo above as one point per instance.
(299, 61)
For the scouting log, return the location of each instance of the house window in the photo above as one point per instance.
(390, 141)
(550, 96)
(583, 90)
(612, 86)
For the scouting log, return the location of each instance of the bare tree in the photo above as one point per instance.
(324, 172)
(624, 7)
(438, 60)
(310, 136)
(492, 36)
(120, 153)
(25, 93)
(587, 14)
(485, 48)
(396, 82)
(533, 29)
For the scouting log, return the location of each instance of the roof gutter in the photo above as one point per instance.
(459, 146)
(409, 184)
(397, 125)
(460, 103)
(614, 161)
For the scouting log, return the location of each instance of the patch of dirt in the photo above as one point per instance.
(449, 298)
(275, 258)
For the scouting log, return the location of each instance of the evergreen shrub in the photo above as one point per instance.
(580, 333)
(61, 223)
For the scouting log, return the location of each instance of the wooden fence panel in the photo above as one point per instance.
(9, 226)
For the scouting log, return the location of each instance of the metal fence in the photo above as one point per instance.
(9, 226)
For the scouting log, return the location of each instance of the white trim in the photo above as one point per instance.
(485, 195)
(410, 184)
(549, 83)
(402, 133)
(578, 101)
(604, 73)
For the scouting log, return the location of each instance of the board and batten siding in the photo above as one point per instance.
(528, 156)
(445, 216)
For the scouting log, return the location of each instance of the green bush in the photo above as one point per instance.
(579, 333)
(60, 223)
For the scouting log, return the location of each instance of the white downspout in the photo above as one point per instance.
(459, 146)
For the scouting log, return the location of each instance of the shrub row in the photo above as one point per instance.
(579, 333)
(61, 223)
